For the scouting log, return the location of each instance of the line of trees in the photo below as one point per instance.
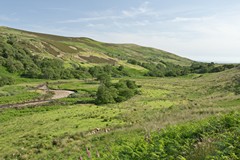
(167, 69)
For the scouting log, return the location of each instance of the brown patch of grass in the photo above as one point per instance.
(88, 42)
(50, 50)
(94, 59)
(30, 46)
(61, 46)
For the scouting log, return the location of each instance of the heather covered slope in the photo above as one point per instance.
(87, 51)
(36, 55)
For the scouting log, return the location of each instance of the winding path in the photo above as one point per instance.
(61, 93)
(57, 95)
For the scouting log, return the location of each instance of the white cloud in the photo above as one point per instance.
(142, 9)
(191, 19)
(205, 36)
(95, 25)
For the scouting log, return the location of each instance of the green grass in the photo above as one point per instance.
(57, 121)
(17, 94)
(89, 86)
(3, 71)
(215, 138)
(19, 98)
(62, 129)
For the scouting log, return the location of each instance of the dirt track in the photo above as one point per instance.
(60, 93)
(57, 95)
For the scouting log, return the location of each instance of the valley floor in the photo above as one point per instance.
(64, 128)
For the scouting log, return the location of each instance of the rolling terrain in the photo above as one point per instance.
(87, 51)
(189, 116)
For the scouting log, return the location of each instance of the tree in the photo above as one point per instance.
(48, 73)
(95, 71)
(120, 68)
(104, 79)
(32, 72)
(218, 69)
(14, 66)
(236, 84)
(124, 94)
(117, 92)
(105, 95)
(6, 81)
(131, 84)
(66, 74)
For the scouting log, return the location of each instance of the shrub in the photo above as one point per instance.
(236, 84)
(118, 92)
(6, 81)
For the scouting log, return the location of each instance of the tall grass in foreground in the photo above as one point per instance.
(212, 138)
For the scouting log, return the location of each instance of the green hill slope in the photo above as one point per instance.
(87, 51)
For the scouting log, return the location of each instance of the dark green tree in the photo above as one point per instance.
(105, 95)
(105, 79)
(6, 81)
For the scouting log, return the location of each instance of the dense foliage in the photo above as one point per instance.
(19, 60)
(114, 71)
(167, 69)
(6, 81)
(114, 92)
(209, 67)
(236, 84)
(217, 138)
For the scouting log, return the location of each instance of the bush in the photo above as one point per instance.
(6, 81)
(236, 84)
(118, 92)
(106, 94)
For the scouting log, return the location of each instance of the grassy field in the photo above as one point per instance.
(63, 129)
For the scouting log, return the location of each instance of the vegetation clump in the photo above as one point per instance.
(6, 81)
(214, 138)
(19, 60)
(236, 84)
(114, 92)
(167, 69)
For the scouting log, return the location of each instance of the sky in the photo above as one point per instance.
(206, 30)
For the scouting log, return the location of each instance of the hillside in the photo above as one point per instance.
(87, 51)
(76, 98)
(44, 56)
